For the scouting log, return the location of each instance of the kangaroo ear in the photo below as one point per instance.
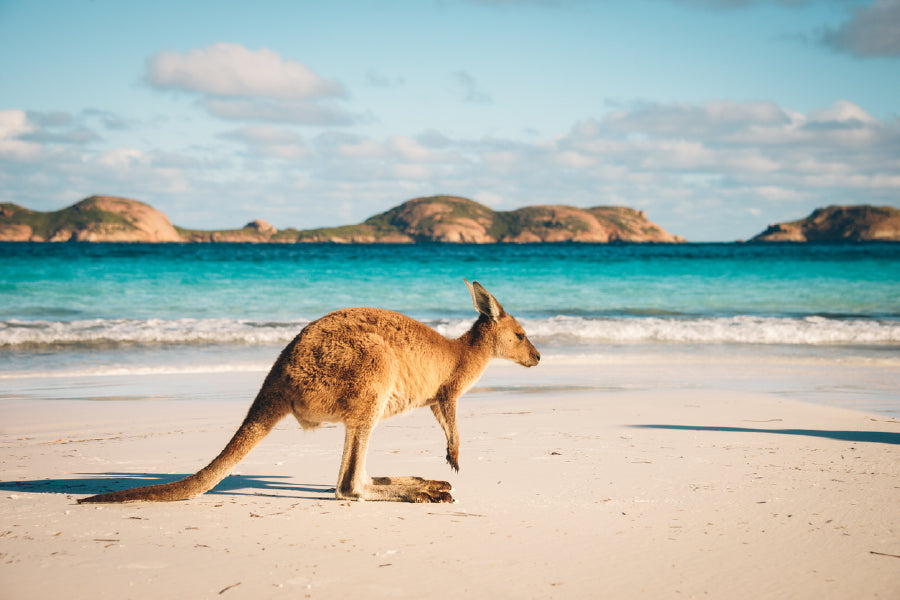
(483, 301)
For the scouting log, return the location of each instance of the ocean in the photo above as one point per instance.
(93, 310)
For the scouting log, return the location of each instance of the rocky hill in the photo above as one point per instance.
(433, 219)
(94, 219)
(453, 219)
(838, 224)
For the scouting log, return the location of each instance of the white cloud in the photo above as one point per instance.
(57, 127)
(677, 155)
(488, 198)
(298, 112)
(264, 135)
(434, 139)
(231, 70)
(841, 112)
(236, 83)
(777, 194)
(361, 149)
(54, 118)
(122, 157)
(715, 118)
(269, 142)
(412, 149)
(396, 148)
(412, 171)
(31, 135)
(13, 125)
(35, 135)
(572, 159)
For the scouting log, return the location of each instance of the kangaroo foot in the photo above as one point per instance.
(433, 497)
(405, 489)
(431, 485)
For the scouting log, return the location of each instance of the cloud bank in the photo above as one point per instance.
(680, 162)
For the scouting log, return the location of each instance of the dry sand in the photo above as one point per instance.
(653, 491)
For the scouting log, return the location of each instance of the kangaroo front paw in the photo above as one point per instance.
(433, 497)
(453, 458)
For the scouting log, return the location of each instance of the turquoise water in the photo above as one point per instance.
(88, 307)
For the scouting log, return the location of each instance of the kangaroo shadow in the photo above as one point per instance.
(873, 437)
(233, 485)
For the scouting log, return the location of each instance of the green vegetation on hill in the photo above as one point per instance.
(81, 216)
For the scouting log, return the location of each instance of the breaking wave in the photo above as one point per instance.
(743, 329)
(569, 331)
(106, 332)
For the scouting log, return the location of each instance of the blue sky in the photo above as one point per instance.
(717, 117)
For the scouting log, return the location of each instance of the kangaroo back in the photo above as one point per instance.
(260, 420)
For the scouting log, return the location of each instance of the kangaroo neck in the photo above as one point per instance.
(477, 345)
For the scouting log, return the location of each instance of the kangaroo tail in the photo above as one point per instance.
(257, 424)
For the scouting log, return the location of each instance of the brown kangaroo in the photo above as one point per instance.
(359, 366)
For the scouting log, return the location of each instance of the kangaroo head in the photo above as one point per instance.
(511, 342)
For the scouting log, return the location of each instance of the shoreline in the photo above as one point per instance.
(863, 382)
(664, 484)
(276, 243)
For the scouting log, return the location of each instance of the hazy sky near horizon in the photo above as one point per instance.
(717, 117)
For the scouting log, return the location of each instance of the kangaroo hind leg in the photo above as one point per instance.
(352, 479)
(354, 484)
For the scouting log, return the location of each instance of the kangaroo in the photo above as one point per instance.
(359, 366)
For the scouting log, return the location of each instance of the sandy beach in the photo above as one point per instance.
(576, 481)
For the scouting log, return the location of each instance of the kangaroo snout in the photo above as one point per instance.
(533, 358)
(523, 352)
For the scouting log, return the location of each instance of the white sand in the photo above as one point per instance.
(670, 486)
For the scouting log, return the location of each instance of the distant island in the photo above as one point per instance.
(433, 219)
(838, 224)
(448, 219)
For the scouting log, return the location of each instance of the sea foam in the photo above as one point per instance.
(569, 331)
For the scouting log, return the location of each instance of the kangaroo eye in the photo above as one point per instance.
(521, 336)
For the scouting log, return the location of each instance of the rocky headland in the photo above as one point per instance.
(433, 219)
(862, 223)
(94, 219)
